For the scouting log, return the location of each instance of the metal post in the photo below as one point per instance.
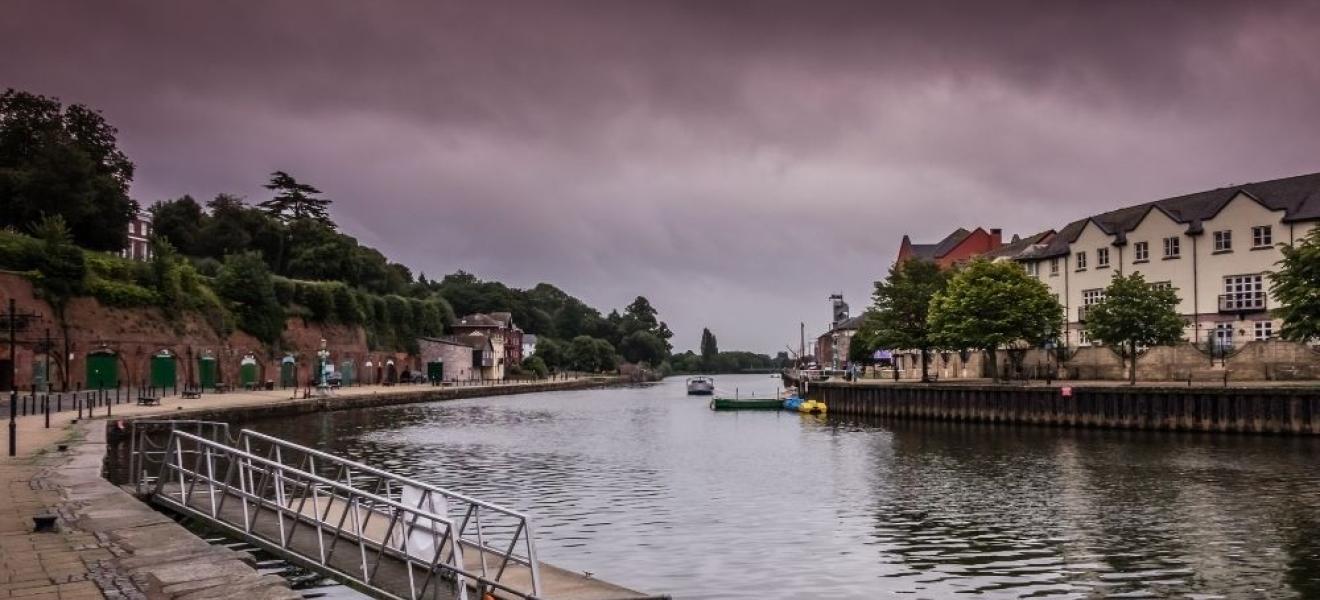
(49, 345)
(13, 425)
(45, 402)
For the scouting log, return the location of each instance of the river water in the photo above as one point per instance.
(649, 488)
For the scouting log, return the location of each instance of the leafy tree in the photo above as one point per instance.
(180, 222)
(166, 275)
(1134, 314)
(606, 358)
(643, 346)
(295, 200)
(581, 354)
(347, 309)
(987, 305)
(61, 264)
(710, 349)
(63, 161)
(552, 353)
(533, 364)
(1296, 285)
(246, 283)
(900, 308)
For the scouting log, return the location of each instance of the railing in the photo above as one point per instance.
(502, 538)
(386, 520)
(1242, 302)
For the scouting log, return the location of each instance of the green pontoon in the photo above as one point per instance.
(746, 404)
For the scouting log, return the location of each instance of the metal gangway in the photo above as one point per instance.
(391, 536)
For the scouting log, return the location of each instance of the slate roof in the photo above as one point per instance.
(1297, 196)
(478, 320)
(940, 248)
(1019, 245)
(851, 323)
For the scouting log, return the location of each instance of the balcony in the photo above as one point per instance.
(1242, 302)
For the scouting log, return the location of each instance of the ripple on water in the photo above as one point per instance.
(650, 488)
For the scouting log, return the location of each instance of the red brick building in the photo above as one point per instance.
(960, 246)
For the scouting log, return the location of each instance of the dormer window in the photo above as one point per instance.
(1102, 258)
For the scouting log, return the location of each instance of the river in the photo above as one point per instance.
(647, 487)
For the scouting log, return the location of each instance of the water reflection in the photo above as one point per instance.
(650, 488)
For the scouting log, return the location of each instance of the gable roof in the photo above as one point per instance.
(1297, 196)
(940, 248)
(1019, 245)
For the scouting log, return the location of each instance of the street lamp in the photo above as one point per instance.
(324, 356)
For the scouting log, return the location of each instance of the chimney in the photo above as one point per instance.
(996, 238)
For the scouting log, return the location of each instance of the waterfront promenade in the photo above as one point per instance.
(109, 544)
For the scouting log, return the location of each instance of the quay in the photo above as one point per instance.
(1251, 408)
(109, 544)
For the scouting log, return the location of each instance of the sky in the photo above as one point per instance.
(734, 162)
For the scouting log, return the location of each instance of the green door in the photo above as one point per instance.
(288, 373)
(163, 370)
(102, 371)
(247, 372)
(435, 371)
(346, 372)
(206, 372)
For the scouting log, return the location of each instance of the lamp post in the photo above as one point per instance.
(323, 357)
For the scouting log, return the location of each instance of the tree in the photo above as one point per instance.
(987, 305)
(552, 352)
(180, 222)
(710, 349)
(295, 200)
(246, 283)
(1134, 314)
(1296, 285)
(581, 354)
(63, 161)
(643, 346)
(900, 310)
(61, 264)
(534, 365)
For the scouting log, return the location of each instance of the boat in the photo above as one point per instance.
(745, 404)
(795, 403)
(700, 386)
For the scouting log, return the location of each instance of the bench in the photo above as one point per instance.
(221, 388)
(148, 401)
(192, 392)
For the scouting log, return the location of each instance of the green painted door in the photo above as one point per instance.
(206, 372)
(247, 373)
(435, 371)
(288, 373)
(163, 371)
(102, 371)
(346, 372)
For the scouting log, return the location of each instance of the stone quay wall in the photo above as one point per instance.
(1279, 410)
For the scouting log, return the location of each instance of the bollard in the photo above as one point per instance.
(46, 405)
(13, 425)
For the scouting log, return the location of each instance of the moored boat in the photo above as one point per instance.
(700, 386)
(745, 404)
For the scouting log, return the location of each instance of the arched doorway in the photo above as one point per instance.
(164, 370)
(206, 370)
(288, 372)
(247, 372)
(102, 369)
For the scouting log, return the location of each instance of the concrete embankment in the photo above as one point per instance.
(1278, 410)
(108, 544)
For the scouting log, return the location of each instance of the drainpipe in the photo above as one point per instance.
(1196, 297)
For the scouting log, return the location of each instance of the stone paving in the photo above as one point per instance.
(108, 544)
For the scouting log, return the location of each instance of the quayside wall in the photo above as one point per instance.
(1278, 410)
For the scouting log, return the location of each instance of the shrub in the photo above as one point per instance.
(246, 282)
(534, 365)
(347, 310)
(319, 300)
(120, 294)
(18, 252)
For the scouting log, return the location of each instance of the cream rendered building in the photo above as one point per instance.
(1214, 248)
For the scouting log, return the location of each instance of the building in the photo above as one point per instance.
(139, 237)
(960, 246)
(487, 355)
(1214, 248)
(528, 344)
(500, 328)
(454, 358)
(832, 346)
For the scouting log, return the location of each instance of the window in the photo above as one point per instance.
(1031, 268)
(1223, 335)
(1101, 258)
(1243, 292)
(1141, 252)
(1162, 285)
(1224, 241)
(1262, 237)
(1082, 338)
(1093, 296)
(1081, 261)
(1054, 267)
(1172, 247)
(1264, 330)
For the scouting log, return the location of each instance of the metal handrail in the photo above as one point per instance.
(292, 488)
(142, 449)
(472, 531)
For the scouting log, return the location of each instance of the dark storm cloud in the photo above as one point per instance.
(735, 162)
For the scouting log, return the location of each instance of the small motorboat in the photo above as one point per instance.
(700, 386)
(795, 403)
